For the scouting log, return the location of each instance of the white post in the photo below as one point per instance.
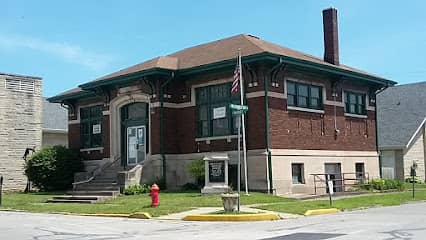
(243, 121)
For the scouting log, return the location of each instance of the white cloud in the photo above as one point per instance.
(65, 51)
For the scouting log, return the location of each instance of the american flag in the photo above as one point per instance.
(236, 81)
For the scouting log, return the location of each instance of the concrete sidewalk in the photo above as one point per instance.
(207, 210)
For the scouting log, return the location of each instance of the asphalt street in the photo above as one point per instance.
(391, 223)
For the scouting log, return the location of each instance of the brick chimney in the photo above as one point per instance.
(331, 38)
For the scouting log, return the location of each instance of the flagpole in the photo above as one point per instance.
(243, 120)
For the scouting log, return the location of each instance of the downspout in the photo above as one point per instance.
(268, 150)
(377, 130)
(163, 156)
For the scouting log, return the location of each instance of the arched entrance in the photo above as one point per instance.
(134, 124)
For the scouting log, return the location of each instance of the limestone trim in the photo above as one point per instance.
(306, 109)
(115, 120)
(355, 115)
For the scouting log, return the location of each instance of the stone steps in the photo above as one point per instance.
(93, 193)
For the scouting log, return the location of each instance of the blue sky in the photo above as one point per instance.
(71, 42)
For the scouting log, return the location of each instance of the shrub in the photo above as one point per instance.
(197, 170)
(161, 183)
(385, 184)
(53, 168)
(416, 180)
(137, 189)
(190, 187)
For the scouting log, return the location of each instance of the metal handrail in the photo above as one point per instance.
(93, 175)
(318, 179)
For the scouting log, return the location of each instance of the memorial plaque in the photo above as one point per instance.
(216, 171)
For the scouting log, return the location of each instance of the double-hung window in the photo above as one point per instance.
(304, 95)
(91, 127)
(214, 118)
(355, 103)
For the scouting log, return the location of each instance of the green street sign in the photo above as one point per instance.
(237, 112)
(238, 107)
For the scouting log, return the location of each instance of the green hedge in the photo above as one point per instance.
(385, 184)
(53, 168)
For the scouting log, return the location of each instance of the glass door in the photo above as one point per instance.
(136, 148)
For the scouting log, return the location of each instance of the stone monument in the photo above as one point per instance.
(216, 179)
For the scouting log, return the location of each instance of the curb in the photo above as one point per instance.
(321, 211)
(140, 215)
(233, 218)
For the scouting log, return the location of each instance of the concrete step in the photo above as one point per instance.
(70, 201)
(104, 180)
(84, 197)
(97, 188)
(94, 193)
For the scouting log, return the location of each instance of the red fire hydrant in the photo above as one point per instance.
(155, 201)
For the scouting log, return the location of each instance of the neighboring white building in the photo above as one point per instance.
(20, 125)
(401, 129)
(55, 124)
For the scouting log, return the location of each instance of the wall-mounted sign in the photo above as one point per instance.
(219, 112)
(96, 129)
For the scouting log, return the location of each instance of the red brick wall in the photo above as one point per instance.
(105, 135)
(314, 131)
(74, 136)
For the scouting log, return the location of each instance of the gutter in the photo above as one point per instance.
(268, 150)
(163, 156)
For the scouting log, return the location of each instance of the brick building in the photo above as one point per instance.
(306, 115)
(20, 125)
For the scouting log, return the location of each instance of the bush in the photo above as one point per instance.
(385, 184)
(190, 187)
(416, 180)
(161, 183)
(197, 170)
(137, 189)
(53, 168)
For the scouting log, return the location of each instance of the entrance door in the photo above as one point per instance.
(335, 173)
(136, 148)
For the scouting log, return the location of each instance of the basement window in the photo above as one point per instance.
(20, 85)
(304, 95)
(297, 172)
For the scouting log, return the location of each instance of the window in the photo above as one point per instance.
(214, 117)
(91, 127)
(20, 85)
(304, 95)
(297, 173)
(360, 171)
(355, 103)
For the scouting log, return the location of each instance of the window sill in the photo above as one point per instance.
(101, 149)
(355, 115)
(305, 109)
(215, 138)
(298, 184)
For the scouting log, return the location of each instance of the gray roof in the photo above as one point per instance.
(400, 112)
(55, 117)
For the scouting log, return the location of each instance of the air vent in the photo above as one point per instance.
(20, 85)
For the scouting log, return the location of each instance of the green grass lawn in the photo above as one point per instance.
(385, 199)
(169, 203)
(178, 202)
